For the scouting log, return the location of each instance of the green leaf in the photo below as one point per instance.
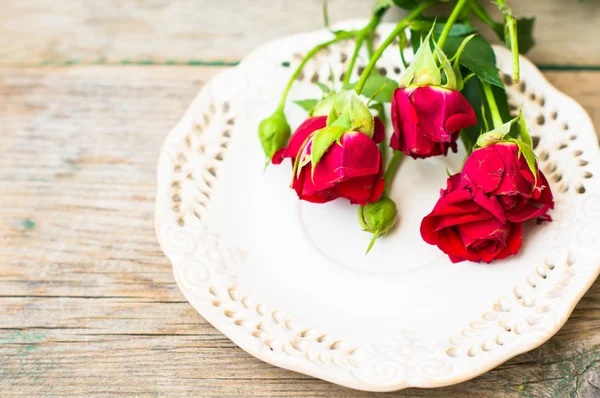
(323, 139)
(451, 79)
(525, 34)
(406, 4)
(477, 56)
(402, 43)
(377, 87)
(331, 78)
(457, 29)
(360, 115)
(415, 40)
(381, 5)
(323, 87)
(523, 131)
(307, 104)
(467, 142)
(380, 111)
(303, 158)
(461, 48)
(494, 136)
(332, 116)
(526, 151)
(473, 92)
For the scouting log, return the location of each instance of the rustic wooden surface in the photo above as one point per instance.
(88, 304)
(58, 32)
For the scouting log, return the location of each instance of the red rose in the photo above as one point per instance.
(427, 120)
(352, 169)
(464, 228)
(499, 172)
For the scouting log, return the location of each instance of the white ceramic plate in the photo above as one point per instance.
(288, 281)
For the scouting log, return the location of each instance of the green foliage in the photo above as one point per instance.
(477, 56)
(525, 34)
(524, 27)
(323, 87)
(307, 104)
(377, 87)
(523, 131)
(474, 94)
(360, 115)
(526, 151)
(493, 136)
(381, 5)
(406, 4)
(424, 25)
(323, 139)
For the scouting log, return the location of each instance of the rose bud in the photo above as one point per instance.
(299, 138)
(274, 133)
(378, 218)
(426, 115)
(501, 170)
(339, 160)
(352, 169)
(427, 120)
(465, 229)
(317, 121)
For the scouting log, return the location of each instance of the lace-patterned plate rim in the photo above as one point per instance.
(186, 253)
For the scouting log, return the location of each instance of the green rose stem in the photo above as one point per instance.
(455, 13)
(339, 37)
(489, 96)
(364, 33)
(511, 24)
(399, 28)
(482, 14)
(379, 217)
(370, 48)
(391, 169)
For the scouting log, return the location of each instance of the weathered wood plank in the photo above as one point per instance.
(97, 31)
(88, 304)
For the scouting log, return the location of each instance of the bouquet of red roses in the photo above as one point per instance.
(450, 90)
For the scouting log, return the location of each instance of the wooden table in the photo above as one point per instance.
(88, 304)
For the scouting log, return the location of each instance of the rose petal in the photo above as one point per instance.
(489, 204)
(459, 112)
(513, 182)
(307, 127)
(356, 155)
(484, 168)
(514, 241)
(358, 190)
(378, 190)
(487, 229)
(430, 106)
(545, 197)
(379, 132)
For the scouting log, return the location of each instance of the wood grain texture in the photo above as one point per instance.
(88, 304)
(34, 32)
